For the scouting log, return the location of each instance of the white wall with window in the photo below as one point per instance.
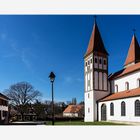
(126, 85)
(131, 78)
(138, 82)
(127, 114)
(116, 88)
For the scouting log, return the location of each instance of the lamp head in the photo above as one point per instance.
(52, 77)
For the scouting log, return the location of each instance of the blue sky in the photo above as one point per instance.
(32, 46)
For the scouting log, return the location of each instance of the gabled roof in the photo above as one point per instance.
(125, 71)
(122, 95)
(3, 96)
(96, 43)
(73, 109)
(133, 55)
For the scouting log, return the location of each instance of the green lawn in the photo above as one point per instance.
(84, 123)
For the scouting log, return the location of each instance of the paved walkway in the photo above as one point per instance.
(128, 123)
(28, 123)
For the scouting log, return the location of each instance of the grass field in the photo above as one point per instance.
(83, 123)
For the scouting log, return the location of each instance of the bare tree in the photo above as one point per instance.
(22, 94)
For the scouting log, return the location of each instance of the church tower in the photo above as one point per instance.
(96, 74)
(133, 55)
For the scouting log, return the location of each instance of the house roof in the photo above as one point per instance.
(125, 71)
(73, 109)
(133, 52)
(122, 95)
(3, 96)
(96, 43)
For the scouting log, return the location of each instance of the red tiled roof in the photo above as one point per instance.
(133, 52)
(96, 43)
(73, 109)
(122, 95)
(125, 71)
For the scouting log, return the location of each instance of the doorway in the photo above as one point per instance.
(103, 112)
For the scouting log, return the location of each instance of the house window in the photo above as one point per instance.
(86, 63)
(95, 60)
(123, 108)
(100, 61)
(104, 62)
(116, 88)
(137, 108)
(111, 109)
(88, 110)
(138, 82)
(4, 113)
(127, 86)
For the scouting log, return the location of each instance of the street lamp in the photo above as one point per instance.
(52, 78)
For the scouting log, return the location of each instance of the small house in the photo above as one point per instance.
(74, 111)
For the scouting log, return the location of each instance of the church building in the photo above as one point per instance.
(114, 97)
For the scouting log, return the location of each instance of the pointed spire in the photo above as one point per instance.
(133, 55)
(96, 43)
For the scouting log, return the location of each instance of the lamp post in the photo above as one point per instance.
(52, 78)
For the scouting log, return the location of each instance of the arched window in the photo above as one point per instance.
(126, 86)
(123, 108)
(100, 61)
(116, 88)
(104, 62)
(137, 108)
(138, 83)
(111, 109)
(103, 112)
(91, 61)
(95, 60)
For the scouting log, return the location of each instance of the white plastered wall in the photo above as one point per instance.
(3, 108)
(130, 110)
(131, 79)
(89, 98)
